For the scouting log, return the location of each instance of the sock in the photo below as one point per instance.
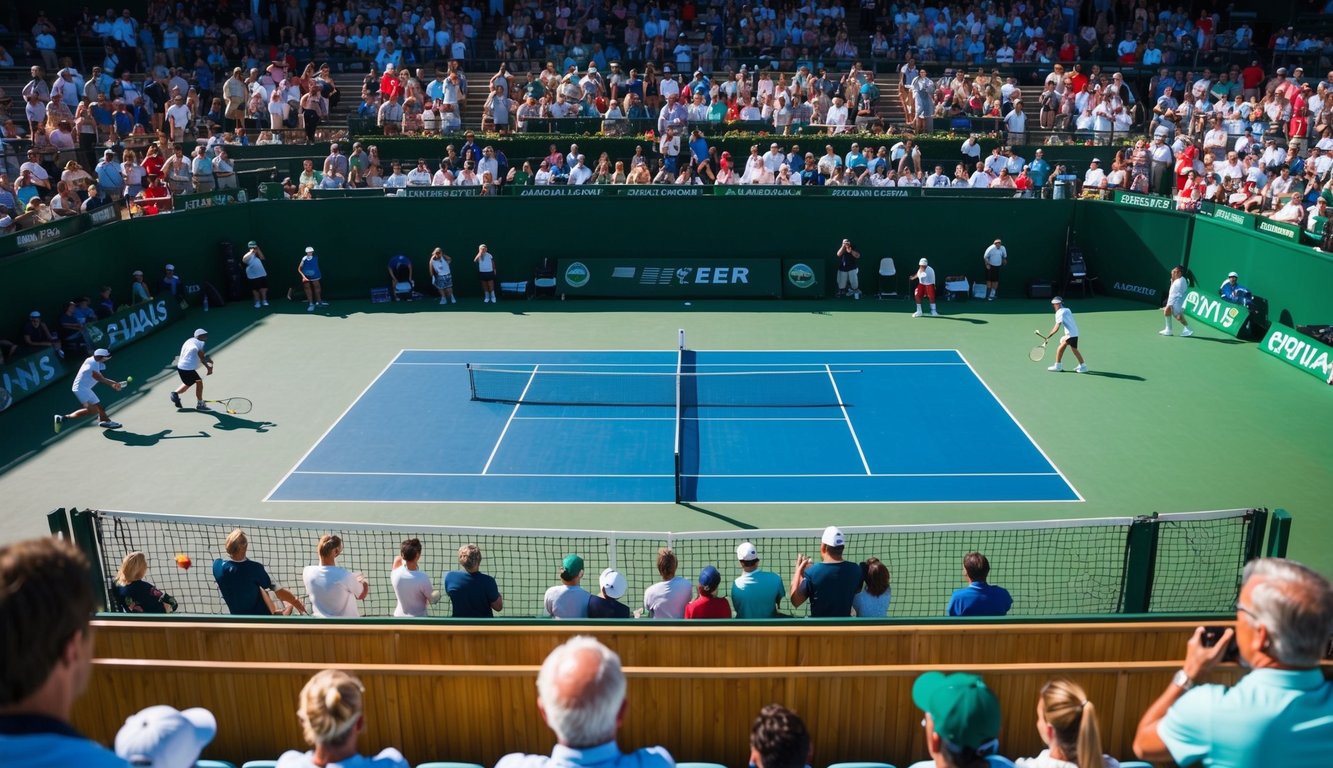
(932, 307)
(1168, 322)
(918, 307)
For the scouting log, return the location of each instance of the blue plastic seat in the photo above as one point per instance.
(448, 764)
(700, 765)
(861, 765)
(1135, 764)
(260, 764)
(213, 764)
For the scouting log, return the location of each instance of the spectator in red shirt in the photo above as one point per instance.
(708, 605)
(1023, 182)
(1250, 78)
(1078, 80)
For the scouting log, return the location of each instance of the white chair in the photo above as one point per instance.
(888, 273)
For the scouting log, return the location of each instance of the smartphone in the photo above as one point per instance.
(1210, 637)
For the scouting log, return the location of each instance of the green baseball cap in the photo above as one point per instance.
(965, 712)
(573, 564)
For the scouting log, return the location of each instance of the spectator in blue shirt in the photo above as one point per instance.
(1234, 292)
(1281, 712)
(473, 594)
(979, 598)
(755, 594)
(830, 584)
(45, 604)
(244, 584)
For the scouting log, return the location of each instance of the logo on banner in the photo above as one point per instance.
(801, 276)
(136, 323)
(1145, 201)
(1298, 352)
(1222, 313)
(1140, 290)
(577, 275)
(32, 373)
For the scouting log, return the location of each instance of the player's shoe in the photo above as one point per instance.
(176, 400)
(202, 407)
(1187, 331)
(933, 313)
(109, 424)
(1057, 368)
(265, 302)
(453, 299)
(59, 421)
(1164, 332)
(1082, 368)
(310, 308)
(256, 305)
(856, 295)
(916, 313)
(321, 303)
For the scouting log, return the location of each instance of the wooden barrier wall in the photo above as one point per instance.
(447, 691)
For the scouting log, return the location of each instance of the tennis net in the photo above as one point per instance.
(1056, 567)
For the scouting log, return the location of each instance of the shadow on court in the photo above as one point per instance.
(139, 440)
(230, 423)
(961, 319)
(719, 516)
(1217, 340)
(1112, 375)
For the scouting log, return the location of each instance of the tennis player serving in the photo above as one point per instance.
(1064, 318)
(89, 376)
(192, 357)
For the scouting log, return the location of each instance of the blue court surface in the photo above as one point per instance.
(555, 426)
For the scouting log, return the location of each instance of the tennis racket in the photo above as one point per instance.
(234, 405)
(128, 381)
(1039, 351)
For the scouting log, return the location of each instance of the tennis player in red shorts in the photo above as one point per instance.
(925, 286)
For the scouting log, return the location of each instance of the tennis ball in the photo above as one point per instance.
(129, 379)
(183, 561)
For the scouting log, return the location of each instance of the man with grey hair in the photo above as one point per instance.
(581, 696)
(1281, 713)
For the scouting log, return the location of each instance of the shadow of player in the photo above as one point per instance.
(962, 319)
(229, 423)
(1111, 375)
(139, 440)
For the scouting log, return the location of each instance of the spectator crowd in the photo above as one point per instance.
(1278, 711)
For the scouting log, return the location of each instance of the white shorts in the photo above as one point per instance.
(1177, 307)
(86, 397)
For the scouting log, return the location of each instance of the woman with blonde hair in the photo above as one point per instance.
(135, 594)
(1067, 723)
(332, 719)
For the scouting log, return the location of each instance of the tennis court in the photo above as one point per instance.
(636, 426)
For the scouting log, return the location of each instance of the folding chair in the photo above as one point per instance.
(888, 282)
(1077, 274)
(543, 278)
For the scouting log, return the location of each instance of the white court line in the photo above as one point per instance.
(1021, 428)
(346, 411)
(812, 367)
(685, 418)
(512, 414)
(900, 474)
(855, 440)
(465, 474)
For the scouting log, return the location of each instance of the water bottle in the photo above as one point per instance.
(205, 303)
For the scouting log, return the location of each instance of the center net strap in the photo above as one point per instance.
(680, 389)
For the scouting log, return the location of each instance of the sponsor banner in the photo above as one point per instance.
(210, 199)
(1216, 312)
(865, 191)
(1289, 232)
(1228, 215)
(662, 190)
(753, 190)
(670, 278)
(585, 190)
(131, 324)
(803, 278)
(1134, 291)
(105, 214)
(439, 192)
(324, 194)
(1156, 202)
(31, 374)
(36, 237)
(1297, 349)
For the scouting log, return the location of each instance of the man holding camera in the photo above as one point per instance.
(849, 270)
(1281, 713)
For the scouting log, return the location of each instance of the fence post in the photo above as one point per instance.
(85, 538)
(1278, 534)
(1140, 561)
(58, 522)
(1254, 536)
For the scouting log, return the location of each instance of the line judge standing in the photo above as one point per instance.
(996, 256)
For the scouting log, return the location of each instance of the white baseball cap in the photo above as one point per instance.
(199, 332)
(171, 267)
(164, 737)
(923, 262)
(309, 249)
(1232, 274)
(613, 583)
(1057, 300)
(746, 552)
(832, 537)
(101, 353)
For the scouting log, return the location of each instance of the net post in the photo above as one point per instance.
(471, 382)
(1140, 562)
(85, 538)
(1255, 522)
(58, 522)
(1279, 532)
(681, 334)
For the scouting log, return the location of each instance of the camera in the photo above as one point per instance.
(1211, 635)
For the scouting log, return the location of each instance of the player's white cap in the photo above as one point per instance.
(198, 332)
(1057, 300)
(252, 244)
(309, 249)
(746, 552)
(613, 582)
(923, 262)
(171, 267)
(1232, 274)
(101, 353)
(832, 537)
